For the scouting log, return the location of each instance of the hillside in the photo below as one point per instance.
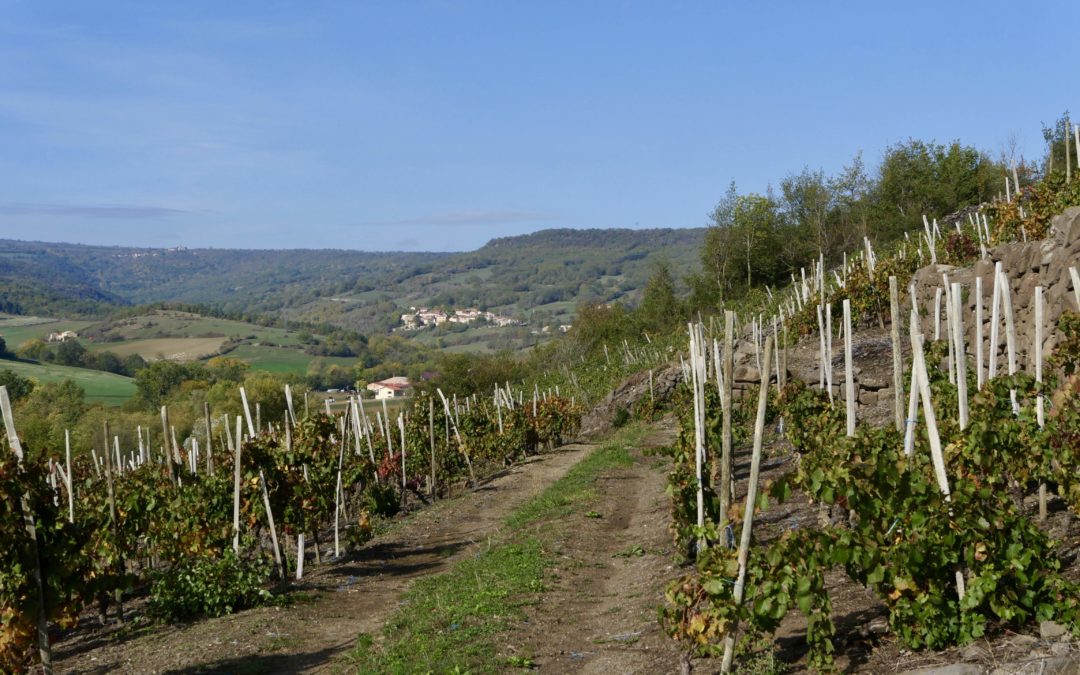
(545, 273)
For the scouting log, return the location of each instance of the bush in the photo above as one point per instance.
(210, 586)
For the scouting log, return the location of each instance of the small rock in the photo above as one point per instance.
(974, 652)
(1060, 665)
(1060, 648)
(1050, 630)
(1022, 641)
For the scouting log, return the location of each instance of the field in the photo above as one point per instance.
(99, 386)
(170, 349)
(280, 360)
(173, 324)
(18, 329)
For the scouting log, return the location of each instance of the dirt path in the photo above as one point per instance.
(338, 601)
(599, 612)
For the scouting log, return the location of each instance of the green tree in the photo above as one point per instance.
(808, 199)
(660, 308)
(154, 383)
(70, 353)
(18, 387)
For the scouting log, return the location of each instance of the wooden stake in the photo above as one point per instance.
(300, 556)
(748, 509)
(980, 376)
(960, 352)
(431, 442)
(995, 323)
(1040, 412)
(898, 358)
(70, 486)
(273, 529)
(849, 374)
(726, 473)
(165, 443)
(247, 414)
(236, 486)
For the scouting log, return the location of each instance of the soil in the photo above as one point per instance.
(336, 601)
(599, 611)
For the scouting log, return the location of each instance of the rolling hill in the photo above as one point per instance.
(540, 276)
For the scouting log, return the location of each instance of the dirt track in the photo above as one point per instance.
(339, 600)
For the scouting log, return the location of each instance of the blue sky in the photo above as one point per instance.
(439, 125)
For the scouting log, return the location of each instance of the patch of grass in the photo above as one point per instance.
(558, 500)
(448, 623)
(635, 551)
(108, 388)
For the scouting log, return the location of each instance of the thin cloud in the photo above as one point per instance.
(490, 217)
(113, 211)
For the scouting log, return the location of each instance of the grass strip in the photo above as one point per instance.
(449, 623)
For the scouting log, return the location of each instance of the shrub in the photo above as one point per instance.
(210, 586)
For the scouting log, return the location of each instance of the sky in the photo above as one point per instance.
(437, 125)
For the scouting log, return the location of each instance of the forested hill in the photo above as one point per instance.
(361, 290)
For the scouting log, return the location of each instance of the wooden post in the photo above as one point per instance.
(726, 474)
(247, 414)
(849, 374)
(898, 358)
(300, 556)
(337, 498)
(828, 349)
(1040, 412)
(209, 439)
(995, 323)
(937, 314)
(980, 375)
(236, 487)
(1010, 332)
(70, 480)
(748, 509)
(697, 376)
(821, 338)
(923, 383)
(936, 455)
(289, 405)
(44, 646)
(164, 444)
(273, 530)
(431, 442)
(960, 352)
(404, 478)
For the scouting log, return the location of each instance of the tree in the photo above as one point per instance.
(660, 309)
(18, 387)
(154, 383)
(807, 202)
(70, 353)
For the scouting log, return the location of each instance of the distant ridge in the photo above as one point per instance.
(355, 289)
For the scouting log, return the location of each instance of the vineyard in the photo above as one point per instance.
(200, 532)
(939, 509)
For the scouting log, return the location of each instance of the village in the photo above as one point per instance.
(423, 317)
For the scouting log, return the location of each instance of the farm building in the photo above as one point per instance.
(393, 387)
(63, 337)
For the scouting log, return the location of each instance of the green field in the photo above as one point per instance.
(279, 360)
(18, 329)
(174, 324)
(99, 386)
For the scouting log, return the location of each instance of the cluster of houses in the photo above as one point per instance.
(62, 337)
(419, 318)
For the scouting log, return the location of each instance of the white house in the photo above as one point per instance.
(392, 387)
